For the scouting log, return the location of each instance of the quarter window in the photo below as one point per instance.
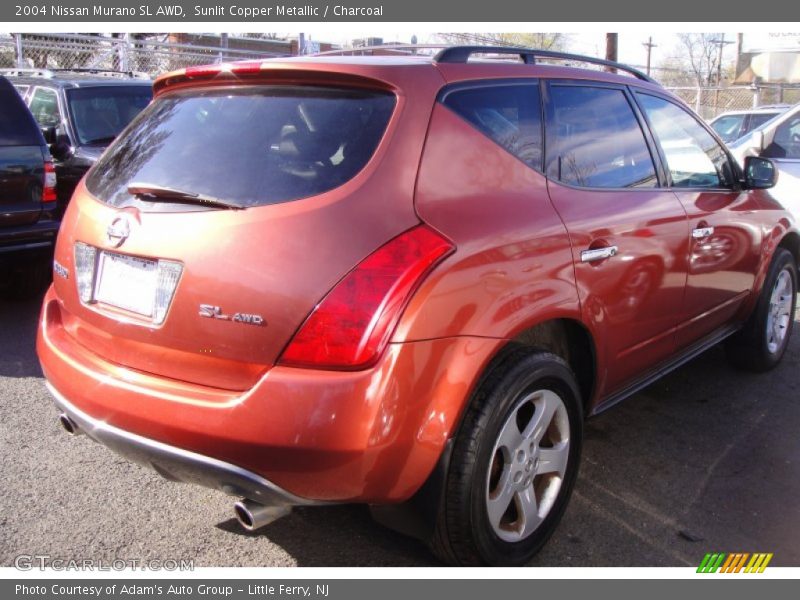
(508, 114)
(44, 107)
(694, 158)
(595, 140)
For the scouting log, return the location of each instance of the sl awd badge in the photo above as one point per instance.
(210, 311)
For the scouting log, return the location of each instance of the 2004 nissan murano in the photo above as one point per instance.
(404, 281)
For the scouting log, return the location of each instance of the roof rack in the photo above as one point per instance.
(461, 54)
(22, 72)
(50, 73)
(359, 49)
(104, 72)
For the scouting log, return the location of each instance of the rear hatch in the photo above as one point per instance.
(214, 225)
(22, 158)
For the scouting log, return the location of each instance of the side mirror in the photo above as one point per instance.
(759, 173)
(61, 148)
(49, 134)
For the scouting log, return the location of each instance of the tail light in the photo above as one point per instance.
(85, 256)
(351, 326)
(49, 188)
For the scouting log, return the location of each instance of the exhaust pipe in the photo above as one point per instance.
(70, 426)
(252, 515)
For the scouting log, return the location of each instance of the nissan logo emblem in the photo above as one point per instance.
(119, 230)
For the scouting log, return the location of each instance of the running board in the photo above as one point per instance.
(690, 353)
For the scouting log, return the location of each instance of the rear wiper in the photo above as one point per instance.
(157, 193)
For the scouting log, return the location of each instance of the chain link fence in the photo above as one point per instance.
(710, 102)
(149, 56)
(174, 51)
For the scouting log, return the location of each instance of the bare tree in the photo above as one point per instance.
(541, 41)
(674, 71)
(702, 55)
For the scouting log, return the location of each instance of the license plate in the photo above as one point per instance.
(127, 282)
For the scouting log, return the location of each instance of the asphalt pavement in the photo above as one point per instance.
(707, 459)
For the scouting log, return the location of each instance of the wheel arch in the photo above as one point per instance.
(791, 242)
(565, 337)
(569, 339)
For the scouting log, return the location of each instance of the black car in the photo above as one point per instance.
(80, 112)
(28, 220)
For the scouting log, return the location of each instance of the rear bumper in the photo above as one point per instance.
(366, 436)
(39, 236)
(177, 464)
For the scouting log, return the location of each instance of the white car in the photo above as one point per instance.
(778, 140)
(734, 125)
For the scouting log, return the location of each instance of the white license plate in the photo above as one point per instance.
(127, 282)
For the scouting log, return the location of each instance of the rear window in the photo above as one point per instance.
(17, 127)
(100, 113)
(249, 145)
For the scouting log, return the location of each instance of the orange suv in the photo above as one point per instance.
(404, 281)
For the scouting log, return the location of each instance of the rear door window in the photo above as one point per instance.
(759, 119)
(594, 140)
(248, 145)
(509, 114)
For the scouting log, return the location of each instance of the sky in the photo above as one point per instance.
(630, 45)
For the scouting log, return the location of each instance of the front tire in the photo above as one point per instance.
(762, 342)
(514, 463)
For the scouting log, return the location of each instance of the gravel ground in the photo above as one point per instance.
(707, 459)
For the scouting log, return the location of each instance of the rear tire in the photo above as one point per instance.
(514, 463)
(762, 342)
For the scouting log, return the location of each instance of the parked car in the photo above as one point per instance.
(733, 125)
(369, 279)
(778, 140)
(27, 198)
(80, 112)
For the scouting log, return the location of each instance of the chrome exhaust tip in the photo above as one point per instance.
(252, 515)
(70, 426)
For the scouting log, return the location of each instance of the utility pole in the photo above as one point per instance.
(611, 49)
(720, 43)
(611, 46)
(649, 45)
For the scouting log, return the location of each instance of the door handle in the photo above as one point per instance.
(598, 254)
(702, 232)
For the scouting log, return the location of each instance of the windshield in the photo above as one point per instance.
(728, 127)
(247, 145)
(100, 113)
